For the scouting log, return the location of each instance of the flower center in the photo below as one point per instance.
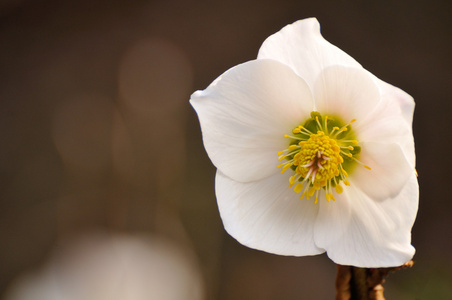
(320, 151)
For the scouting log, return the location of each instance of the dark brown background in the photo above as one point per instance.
(78, 155)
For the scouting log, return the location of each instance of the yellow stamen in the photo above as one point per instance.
(319, 152)
(292, 147)
(298, 188)
(284, 169)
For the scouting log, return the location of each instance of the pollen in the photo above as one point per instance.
(321, 154)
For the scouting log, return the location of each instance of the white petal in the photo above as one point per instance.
(402, 99)
(267, 215)
(355, 230)
(389, 172)
(245, 113)
(302, 47)
(391, 122)
(349, 93)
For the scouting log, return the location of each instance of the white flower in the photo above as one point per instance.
(113, 267)
(341, 137)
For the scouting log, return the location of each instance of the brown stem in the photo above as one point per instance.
(358, 284)
(353, 283)
(344, 275)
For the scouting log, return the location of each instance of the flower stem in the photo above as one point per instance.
(358, 284)
(353, 283)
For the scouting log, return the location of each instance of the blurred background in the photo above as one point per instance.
(101, 159)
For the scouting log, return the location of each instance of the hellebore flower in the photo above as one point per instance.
(313, 153)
